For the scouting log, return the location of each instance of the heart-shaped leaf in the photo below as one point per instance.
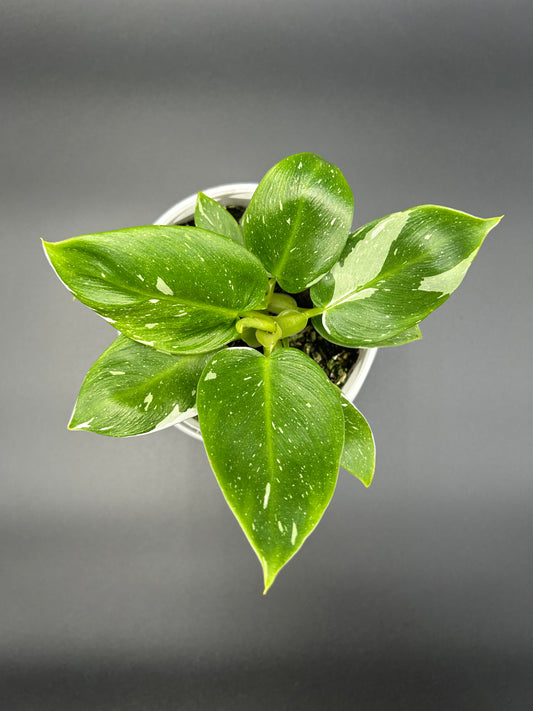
(133, 389)
(178, 289)
(359, 452)
(395, 271)
(277, 455)
(298, 220)
(213, 217)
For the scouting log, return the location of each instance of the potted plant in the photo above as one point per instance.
(208, 317)
(235, 197)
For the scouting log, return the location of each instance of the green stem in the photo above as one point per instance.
(314, 312)
(256, 320)
(270, 290)
(268, 340)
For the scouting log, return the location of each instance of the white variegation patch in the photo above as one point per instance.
(145, 343)
(411, 261)
(448, 281)
(294, 533)
(363, 294)
(163, 287)
(147, 401)
(266, 496)
(83, 425)
(365, 262)
(175, 416)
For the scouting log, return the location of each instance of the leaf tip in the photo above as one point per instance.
(77, 424)
(367, 480)
(493, 221)
(71, 426)
(50, 252)
(268, 575)
(47, 246)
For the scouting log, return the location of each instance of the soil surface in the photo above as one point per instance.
(335, 361)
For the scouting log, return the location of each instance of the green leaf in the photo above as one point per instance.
(359, 453)
(411, 334)
(298, 220)
(395, 271)
(213, 217)
(178, 289)
(133, 389)
(277, 455)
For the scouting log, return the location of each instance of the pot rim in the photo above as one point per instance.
(239, 194)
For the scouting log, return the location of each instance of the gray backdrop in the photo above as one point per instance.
(125, 581)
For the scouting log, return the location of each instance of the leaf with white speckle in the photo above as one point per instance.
(394, 272)
(133, 389)
(277, 455)
(298, 220)
(408, 336)
(209, 215)
(178, 289)
(359, 453)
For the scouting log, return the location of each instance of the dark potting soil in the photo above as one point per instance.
(335, 361)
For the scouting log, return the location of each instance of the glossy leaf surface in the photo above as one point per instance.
(395, 271)
(298, 220)
(359, 452)
(211, 216)
(178, 289)
(411, 334)
(133, 389)
(273, 429)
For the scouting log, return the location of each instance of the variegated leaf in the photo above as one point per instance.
(400, 339)
(276, 456)
(133, 389)
(395, 271)
(411, 334)
(359, 453)
(298, 220)
(178, 289)
(213, 217)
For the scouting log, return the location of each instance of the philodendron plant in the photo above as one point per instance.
(276, 429)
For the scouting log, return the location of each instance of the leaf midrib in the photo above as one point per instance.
(267, 389)
(232, 313)
(173, 299)
(297, 221)
(162, 374)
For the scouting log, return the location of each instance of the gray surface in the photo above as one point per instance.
(125, 583)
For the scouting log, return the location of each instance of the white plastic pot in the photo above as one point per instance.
(239, 195)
